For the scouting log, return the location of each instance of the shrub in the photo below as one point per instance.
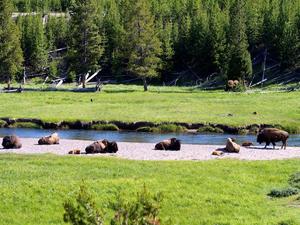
(108, 127)
(2, 123)
(210, 129)
(145, 129)
(26, 125)
(294, 180)
(287, 222)
(281, 193)
(169, 128)
(143, 211)
(243, 131)
(83, 211)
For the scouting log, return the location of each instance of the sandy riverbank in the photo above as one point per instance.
(144, 151)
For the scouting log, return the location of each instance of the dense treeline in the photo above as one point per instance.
(148, 38)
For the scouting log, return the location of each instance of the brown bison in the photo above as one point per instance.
(273, 135)
(170, 144)
(103, 146)
(247, 144)
(53, 139)
(11, 142)
(231, 146)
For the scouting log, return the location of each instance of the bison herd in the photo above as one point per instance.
(267, 135)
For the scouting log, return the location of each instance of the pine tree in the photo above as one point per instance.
(145, 49)
(39, 55)
(217, 40)
(240, 64)
(86, 45)
(10, 48)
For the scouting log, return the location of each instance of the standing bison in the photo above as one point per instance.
(170, 144)
(273, 135)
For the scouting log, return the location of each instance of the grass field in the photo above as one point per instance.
(160, 104)
(33, 188)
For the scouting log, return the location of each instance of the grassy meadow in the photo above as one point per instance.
(160, 104)
(33, 188)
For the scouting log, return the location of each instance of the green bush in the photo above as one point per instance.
(144, 210)
(144, 129)
(2, 123)
(210, 129)
(169, 128)
(294, 180)
(243, 131)
(26, 125)
(287, 222)
(83, 211)
(281, 193)
(107, 127)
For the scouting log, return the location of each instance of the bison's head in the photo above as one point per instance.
(260, 138)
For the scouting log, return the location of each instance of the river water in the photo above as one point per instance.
(186, 138)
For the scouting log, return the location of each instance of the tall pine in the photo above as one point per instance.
(145, 46)
(240, 64)
(86, 41)
(10, 48)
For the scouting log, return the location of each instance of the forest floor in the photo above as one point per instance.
(161, 104)
(34, 188)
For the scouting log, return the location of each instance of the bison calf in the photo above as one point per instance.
(273, 135)
(11, 142)
(170, 144)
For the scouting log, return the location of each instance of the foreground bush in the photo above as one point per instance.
(144, 210)
(281, 193)
(83, 211)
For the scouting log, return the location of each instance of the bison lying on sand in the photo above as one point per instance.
(170, 144)
(53, 139)
(273, 135)
(11, 142)
(103, 146)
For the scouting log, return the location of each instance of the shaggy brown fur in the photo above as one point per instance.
(75, 152)
(53, 139)
(273, 135)
(232, 146)
(247, 144)
(102, 147)
(11, 142)
(170, 144)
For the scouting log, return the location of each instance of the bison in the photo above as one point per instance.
(11, 142)
(53, 139)
(273, 135)
(103, 146)
(231, 146)
(170, 144)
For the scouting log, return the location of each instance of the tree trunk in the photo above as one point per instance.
(145, 84)
(8, 83)
(83, 80)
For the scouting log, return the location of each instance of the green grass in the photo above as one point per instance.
(33, 188)
(160, 104)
